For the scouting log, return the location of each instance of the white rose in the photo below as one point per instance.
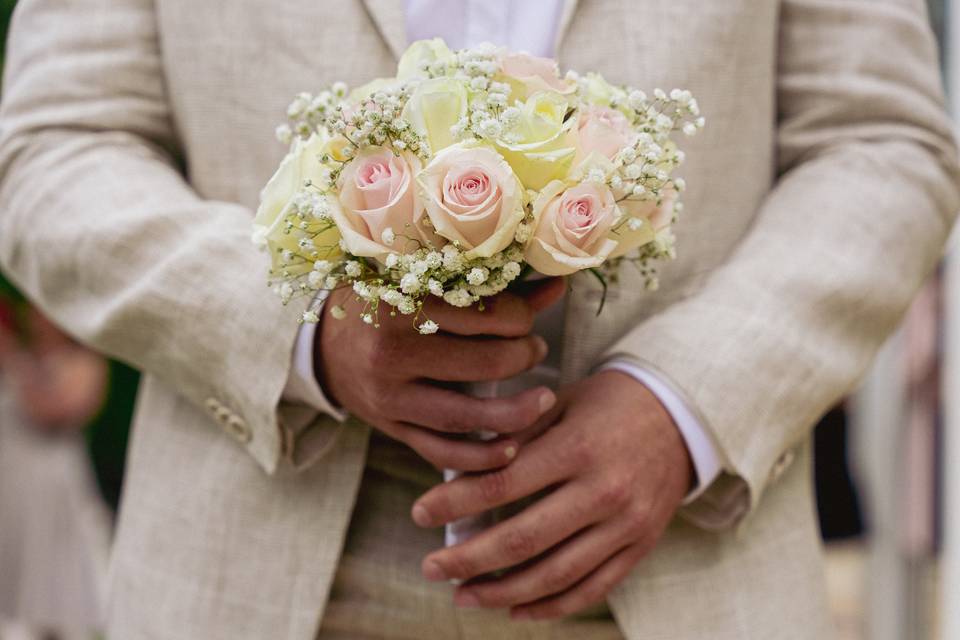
(277, 200)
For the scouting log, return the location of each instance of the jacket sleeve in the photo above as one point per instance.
(99, 226)
(865, 198)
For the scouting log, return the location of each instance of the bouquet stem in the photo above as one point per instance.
(465, 528)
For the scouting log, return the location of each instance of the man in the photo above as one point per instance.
(135, 139)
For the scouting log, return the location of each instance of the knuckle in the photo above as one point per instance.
(428, 452)
(486, 360)
(520, 544)
(383, 357)
(638, 522)
(592, 594)
(523, 411)
(451, 422)
(491, 456)
(493, 486)
(613, 494)
(472, 415)
(559, 578)
(496, 415)
(502, 363)
(579, 450)
(484, 416)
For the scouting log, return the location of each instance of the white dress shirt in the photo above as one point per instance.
(531, 26)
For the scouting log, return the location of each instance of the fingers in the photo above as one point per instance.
(555, 573)
(452, 412)
(506, 315)
(461, 455)
(542, 463)
(546, 421)
(590, 591)
(457, 359)
(512, 542)
(540, 294)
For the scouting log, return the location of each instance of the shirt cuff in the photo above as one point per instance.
(706, 459)
(302, 386)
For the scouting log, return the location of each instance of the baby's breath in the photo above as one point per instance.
(412, 271)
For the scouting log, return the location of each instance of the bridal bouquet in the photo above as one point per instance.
(463, 173)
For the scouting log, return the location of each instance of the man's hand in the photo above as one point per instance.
(392, 377)
(619, 470)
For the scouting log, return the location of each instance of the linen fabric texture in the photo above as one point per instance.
(136, 134)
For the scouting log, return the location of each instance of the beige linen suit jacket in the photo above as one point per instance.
(136, 135)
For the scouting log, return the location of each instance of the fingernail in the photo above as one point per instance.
(547, 400)
(540, 345)
(432, 571)
(466, 600)
(510, 452)
(420, 515)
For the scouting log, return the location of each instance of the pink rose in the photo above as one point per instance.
(604, 131)
(528, 74)
(472, 197)
(377, 200)
(655, 218)
(573, 228)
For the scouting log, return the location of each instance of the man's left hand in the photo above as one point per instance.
(618, 468)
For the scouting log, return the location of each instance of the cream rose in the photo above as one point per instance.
(573, 228)
(364, 91)
(422, 54)
(279, 199)
(654, 217)
(472, 197)
(597, 91)
(604, 131)
(542, 146)
(435, 106)
(528, 75)
(378, 201)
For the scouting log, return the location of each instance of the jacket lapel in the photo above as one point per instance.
(569, 8)
(388, 16)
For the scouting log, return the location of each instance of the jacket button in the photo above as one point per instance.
(782, 464)
(212, 404)
(223, 415)
(237, 428)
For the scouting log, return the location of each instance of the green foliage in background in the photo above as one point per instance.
(6, 9)
(7, 290)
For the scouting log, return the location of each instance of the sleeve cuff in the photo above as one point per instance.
(302, 386)
(706, 459)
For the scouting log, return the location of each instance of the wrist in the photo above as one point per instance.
(645, 410)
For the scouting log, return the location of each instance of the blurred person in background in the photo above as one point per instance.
(64, 417)
(54, 526)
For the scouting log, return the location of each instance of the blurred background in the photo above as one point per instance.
(887, 481)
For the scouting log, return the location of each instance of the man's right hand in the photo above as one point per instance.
(400, 381)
